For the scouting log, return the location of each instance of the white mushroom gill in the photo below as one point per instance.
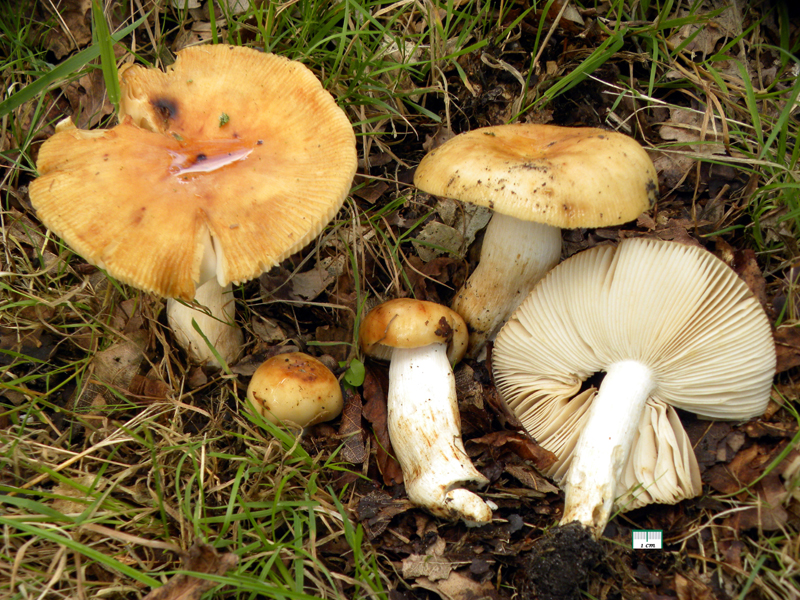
(425, 429)
(671, 326)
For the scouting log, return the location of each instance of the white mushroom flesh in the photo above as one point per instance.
(515, 255)
(605, 444)
(214, 314)
(425, 429)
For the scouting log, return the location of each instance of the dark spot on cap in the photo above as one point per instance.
(259, 142)
(444, 330)
(166, 109)
(652, 190)
(201, 157)
(139, 215)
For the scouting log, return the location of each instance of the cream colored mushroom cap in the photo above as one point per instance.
(229, 147)
(678, 310)
(561, 176)
(410, 323)
(295, 388)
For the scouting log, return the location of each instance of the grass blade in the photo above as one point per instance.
(61, 72)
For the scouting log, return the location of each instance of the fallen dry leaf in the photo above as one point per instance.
(677, 230)
(468, 389)
(741, 472)
(530, 478)
(769, 514)
(440, 136)
(114, 367)
(787, 348)
(432, 565)
(36, 343)
(459, 587)
(372, 192)
(705, 35)
(436, 238)
(759, 429)
(424, 277)
(505, 415)
(376, 509)
(375, 412)
(310, 284)
(746, 267)
(350, 429)
(267, 330)
(75, 30)
(686, 128)
(148, 388)
(690, 589)
(520, 444)
(200, 558)
(88, 99)
(744, 263)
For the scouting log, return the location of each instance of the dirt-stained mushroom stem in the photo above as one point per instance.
(422, 340)
(558, 177)
(215, 317)
(605, 444)
(425, 429)
(505, 275)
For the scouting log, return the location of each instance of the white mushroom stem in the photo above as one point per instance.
(216, 322)
(605, 443)
(425, 429)
(515, 255)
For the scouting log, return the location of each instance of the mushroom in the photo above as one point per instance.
(220, 168)
(537, 179)
(423, 340)
(296, 389)
(672, 327)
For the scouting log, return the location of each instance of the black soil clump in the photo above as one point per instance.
(560, 563)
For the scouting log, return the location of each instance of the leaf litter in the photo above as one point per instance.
(750, 470)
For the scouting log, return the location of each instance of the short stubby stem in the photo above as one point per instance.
(216, 323)
(515, 255)
(425, 430)
(605, 443)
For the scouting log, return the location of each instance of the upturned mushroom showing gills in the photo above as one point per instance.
(671, 326)
(295, 389)
(219, 169)
(422, 340)
(537, 179)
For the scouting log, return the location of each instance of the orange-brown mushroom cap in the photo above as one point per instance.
(561, 176)
(410, 323)
(229, 146)
(295, 388)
